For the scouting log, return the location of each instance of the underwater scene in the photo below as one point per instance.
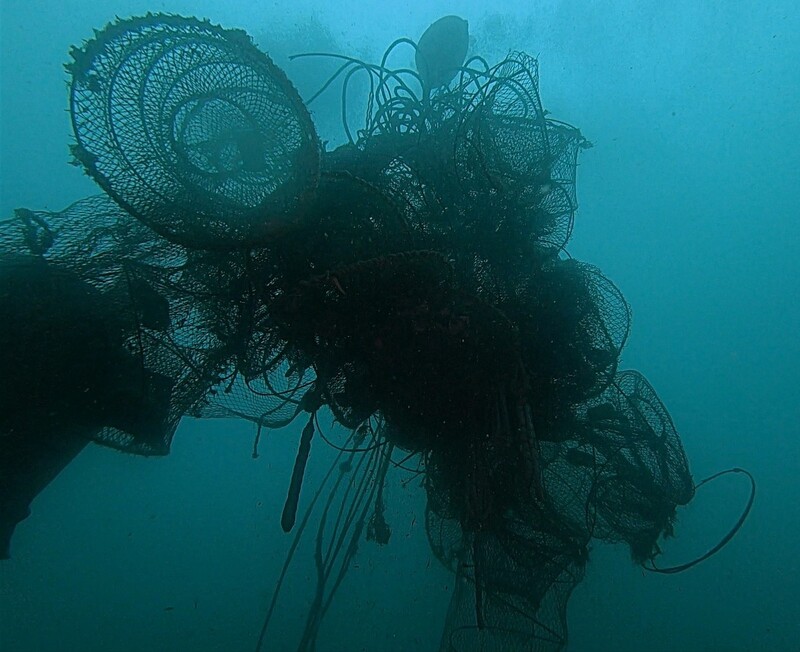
(444, 326)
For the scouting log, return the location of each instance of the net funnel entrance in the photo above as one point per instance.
(193, 130)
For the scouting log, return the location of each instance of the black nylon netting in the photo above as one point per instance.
(193, 130)
(140, 319)
(418, 289)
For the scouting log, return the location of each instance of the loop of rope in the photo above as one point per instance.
(671, 570)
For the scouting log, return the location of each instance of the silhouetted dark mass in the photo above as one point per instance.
(413, 283)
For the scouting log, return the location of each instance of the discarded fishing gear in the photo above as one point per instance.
(413, 283)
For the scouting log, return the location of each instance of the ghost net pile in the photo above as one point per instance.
(413, 282)
(489, 353)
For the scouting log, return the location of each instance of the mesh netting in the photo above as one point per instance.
(92, 296)
(193, 130)
(418, 290)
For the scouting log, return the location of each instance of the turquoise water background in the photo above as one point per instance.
(689, 202)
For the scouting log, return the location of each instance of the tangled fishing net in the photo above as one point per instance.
(412, 282)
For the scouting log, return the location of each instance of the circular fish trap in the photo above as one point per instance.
(193, 130)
